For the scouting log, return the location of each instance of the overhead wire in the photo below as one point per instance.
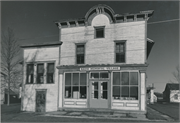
(107, 28)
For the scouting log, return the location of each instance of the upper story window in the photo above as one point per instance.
(99, 32)
(120, 52)
(45, 73)
(40, 73)
(30, 74)
(50, 73)
(80, 54)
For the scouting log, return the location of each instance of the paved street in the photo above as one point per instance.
(170, 109)
(12, 113)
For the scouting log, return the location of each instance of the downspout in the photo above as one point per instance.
(145, 54)
(59, 64)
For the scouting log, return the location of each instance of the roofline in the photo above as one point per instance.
(149, 40)
(41, 45)
(149, 13)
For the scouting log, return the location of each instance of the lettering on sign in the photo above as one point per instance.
(99, 68)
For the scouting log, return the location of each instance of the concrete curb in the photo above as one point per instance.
(136, 119)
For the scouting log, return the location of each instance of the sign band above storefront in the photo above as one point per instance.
(99, 68)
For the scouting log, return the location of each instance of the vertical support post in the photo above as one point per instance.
(145, 52)
(35, 73)
(143, 90)
(60, 92)
(125, 19)
(45, 73)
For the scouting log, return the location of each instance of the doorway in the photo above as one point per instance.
(40, 100)
(98, 94)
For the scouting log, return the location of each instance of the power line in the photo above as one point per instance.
(106, 28)
(163, 21)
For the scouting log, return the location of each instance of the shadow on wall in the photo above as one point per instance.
(29, 92)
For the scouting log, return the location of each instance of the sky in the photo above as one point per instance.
(33, 22)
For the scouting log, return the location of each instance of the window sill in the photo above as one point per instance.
(71, 99)
(117, 100)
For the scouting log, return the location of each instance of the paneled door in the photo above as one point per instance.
(98, 94)
(40, 101)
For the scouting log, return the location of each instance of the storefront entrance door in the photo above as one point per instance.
(98, 94)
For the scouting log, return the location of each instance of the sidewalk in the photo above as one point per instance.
(157, 116)
(152, 115)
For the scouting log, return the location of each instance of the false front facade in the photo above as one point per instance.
(103, 60)
(101, 63)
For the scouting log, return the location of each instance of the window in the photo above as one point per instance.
(75, 85)
(50, 73)
(125, 85)
(40, 73)
(30, 74)
(80, 54)
(99, 75)
(120, 52)
(99, 32)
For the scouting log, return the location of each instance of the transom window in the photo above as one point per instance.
(80, 54)
(75, 85)
(99, 75)
(99, 32)
(120, 52)
(125, 85)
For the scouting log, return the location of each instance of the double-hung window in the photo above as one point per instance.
(80, 54)
(125, 85)
(50, 72)
(120, 52)
(30, 74)
(40, 73)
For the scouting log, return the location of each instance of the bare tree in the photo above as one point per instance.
(176, 75)
(10, 59)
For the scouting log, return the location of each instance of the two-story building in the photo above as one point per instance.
(99, 62)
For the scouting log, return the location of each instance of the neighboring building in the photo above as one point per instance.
(171, 92)
(151, 97)
(3, 83)
(159, 96)
(99, 62)
(13, 97)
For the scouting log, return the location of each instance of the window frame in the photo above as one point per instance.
(99, 73)
(76, 45)
(53, 72)
(129, 86)
(30, 74)
(37, 72)
(71, 86)
(115, 44)
(95, 31)
(45, 71)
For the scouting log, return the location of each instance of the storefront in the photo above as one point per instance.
(103, 86)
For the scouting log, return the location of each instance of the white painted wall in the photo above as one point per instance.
(101, 50)
(29, 90)
(173, 94)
